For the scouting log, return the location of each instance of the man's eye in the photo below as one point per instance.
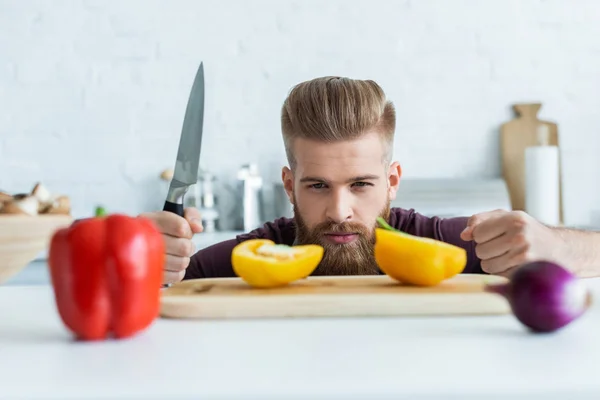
(362, 184)
(318, 186)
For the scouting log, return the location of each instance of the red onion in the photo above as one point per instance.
(544, 296)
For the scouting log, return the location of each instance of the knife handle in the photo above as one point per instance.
(174, 208)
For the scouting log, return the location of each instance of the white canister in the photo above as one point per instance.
(542, 180)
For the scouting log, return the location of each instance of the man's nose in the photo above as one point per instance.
(339, 209)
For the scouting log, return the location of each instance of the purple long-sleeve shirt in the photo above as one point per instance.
(215, 261)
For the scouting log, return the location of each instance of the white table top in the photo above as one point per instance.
(400, 358)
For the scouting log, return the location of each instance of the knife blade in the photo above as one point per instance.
(190, 143)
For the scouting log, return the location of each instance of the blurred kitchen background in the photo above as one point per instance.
(93, 94)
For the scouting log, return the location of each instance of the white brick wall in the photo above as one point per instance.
(92, 93)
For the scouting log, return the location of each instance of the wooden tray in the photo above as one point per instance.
(331, 296)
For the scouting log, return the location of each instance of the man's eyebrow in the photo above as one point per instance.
(353, 179)
(312, 179)
(363, 178)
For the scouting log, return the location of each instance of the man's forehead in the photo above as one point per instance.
(338, 160)
(365, 149)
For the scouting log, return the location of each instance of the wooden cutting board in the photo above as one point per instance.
(331, 296)
(515, 136)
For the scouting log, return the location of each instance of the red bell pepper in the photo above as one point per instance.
(106, 273)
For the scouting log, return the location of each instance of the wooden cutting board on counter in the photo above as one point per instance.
(515, 136)
(331, 296)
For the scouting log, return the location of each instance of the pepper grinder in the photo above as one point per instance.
(251, 185)
(207, 205)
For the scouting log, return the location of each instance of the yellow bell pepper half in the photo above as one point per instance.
(262, 263)
(416, 260)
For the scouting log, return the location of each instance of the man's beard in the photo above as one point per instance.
(354, 258)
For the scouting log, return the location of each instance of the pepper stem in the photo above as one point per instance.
(384, 224)
(100, 211)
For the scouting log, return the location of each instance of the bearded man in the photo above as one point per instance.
(338, 135)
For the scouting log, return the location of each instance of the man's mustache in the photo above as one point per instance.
(345, 227)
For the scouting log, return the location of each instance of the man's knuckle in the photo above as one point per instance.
(183, 263)
(476, 234)
(171, 244)
(183, 247)
(519, 239)
(479, 252)
(191, 213)
(474, 220)
(171, 262)
(485, 266)
(188, 248)
(181, 229)
(518, 217)
(525, 255)
(169, 277)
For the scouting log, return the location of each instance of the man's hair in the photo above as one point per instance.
(332, 108)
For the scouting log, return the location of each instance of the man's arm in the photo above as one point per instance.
(581, 251)
(504, 240)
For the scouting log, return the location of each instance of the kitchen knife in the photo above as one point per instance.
(190, 142)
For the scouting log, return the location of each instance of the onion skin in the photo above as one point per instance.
(544, 296)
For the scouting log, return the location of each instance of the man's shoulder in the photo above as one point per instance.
(400, 217)
(281, 231)
(413, 222)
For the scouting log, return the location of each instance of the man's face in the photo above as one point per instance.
(338, 190)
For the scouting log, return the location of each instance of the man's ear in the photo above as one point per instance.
(394, 175)
(287, 177)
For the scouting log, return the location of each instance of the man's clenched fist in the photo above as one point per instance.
(177, 234)
(506, 239)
